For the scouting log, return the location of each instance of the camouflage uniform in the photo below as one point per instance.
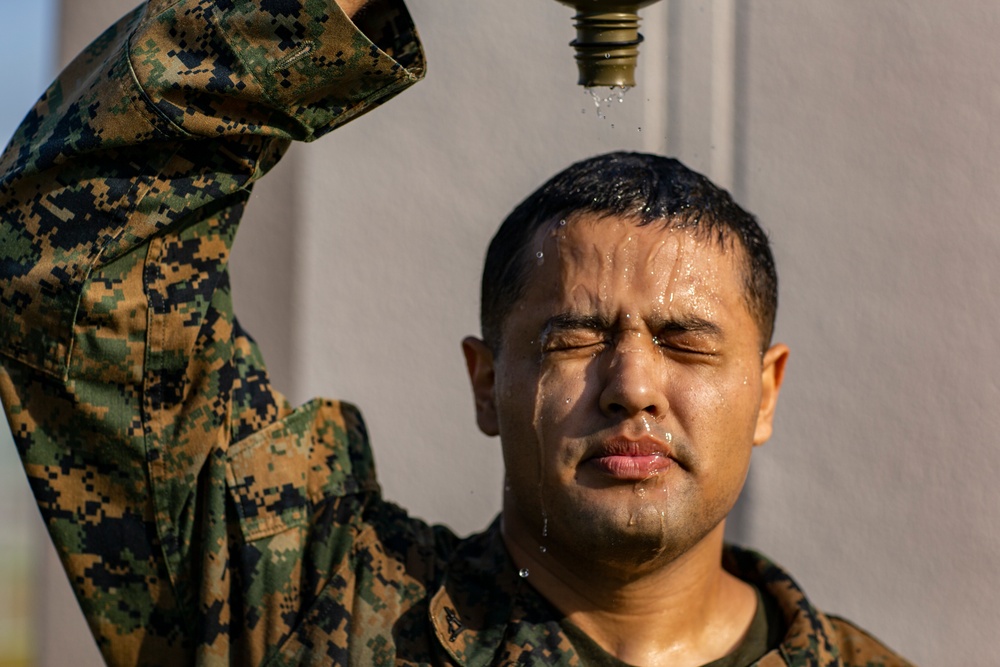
(201, 519)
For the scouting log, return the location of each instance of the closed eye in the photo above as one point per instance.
(689, 338)
(576, 339)
(567, 331)
(683, 347)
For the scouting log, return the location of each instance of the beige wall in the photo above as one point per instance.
(860, 133)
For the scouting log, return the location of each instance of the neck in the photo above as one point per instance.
(688, 611)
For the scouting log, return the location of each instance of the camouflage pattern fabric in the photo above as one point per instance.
(200, 519)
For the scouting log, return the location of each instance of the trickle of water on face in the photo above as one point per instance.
(652, 493)
(538, 423)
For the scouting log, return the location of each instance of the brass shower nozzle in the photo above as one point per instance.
(607, 40)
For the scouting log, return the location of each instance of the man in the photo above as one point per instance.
(626, 365)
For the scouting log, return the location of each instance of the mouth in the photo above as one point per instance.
(629, 460)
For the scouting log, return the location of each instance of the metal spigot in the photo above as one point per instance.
(607, 40)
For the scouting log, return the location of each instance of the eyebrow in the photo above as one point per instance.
(686, 324)
(660, 326)
(566, 321)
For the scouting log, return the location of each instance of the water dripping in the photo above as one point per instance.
(539, 426)
(540, 256)
(616, 93)
(641, 488)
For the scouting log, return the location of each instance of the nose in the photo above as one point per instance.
(634, 379)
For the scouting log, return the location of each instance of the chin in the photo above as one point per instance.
(629, 542)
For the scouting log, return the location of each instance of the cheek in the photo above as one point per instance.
(718, 407)
(565, 401)
(561, 387)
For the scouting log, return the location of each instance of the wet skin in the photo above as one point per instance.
(628, 392)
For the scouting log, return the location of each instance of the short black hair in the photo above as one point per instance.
(637, 186)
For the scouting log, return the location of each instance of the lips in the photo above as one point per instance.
(626, 459)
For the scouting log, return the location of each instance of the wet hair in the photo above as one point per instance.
(636, 186)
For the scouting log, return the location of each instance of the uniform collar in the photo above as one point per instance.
(809, 636)
(485, 614)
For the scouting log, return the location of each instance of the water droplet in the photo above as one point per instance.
(640, 129)
(562, 223)
(613, 127)
(523, 573)
(606, 99)
(545, 526)
(607, 55)
(631, 519)
(540, 256)
(543, 549)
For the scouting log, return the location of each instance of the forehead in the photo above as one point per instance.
(593, 263)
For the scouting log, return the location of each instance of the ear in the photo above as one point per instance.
(479, 362)
(772, 374)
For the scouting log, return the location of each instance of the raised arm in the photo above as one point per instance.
(135, 400)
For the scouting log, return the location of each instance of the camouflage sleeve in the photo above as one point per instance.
(140, 409)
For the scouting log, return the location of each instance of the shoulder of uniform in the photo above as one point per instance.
(858, 648)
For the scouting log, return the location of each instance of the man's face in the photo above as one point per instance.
(628, 391)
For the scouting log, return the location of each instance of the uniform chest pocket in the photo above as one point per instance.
(278, 476)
